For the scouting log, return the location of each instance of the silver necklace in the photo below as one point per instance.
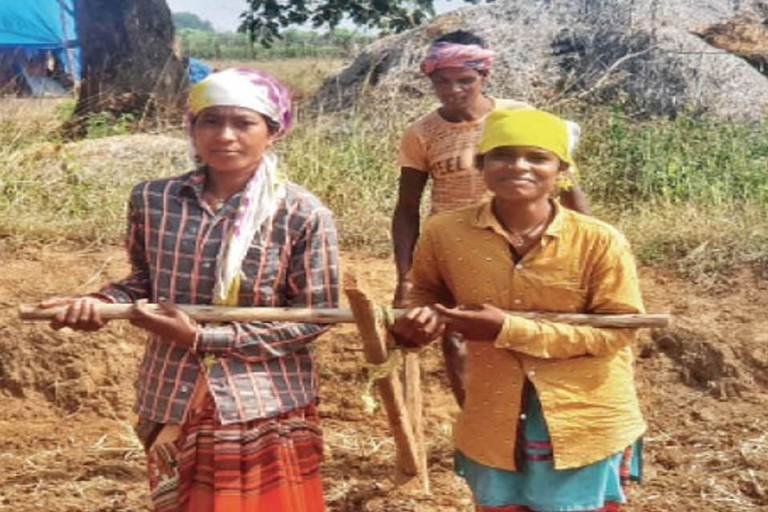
(519, 238)
(215, 202)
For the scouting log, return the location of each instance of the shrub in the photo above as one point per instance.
(688, 159)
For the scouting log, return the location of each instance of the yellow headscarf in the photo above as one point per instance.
(529, 127)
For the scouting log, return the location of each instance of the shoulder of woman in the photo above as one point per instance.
(595, 228)
(508, 104)
(162, 185)
(302, 200)
(448, 222)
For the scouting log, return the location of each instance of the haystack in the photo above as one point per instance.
(551, 52)
(745, 36)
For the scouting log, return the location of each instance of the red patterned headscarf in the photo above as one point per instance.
(452, 55)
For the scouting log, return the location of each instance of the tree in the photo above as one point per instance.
(128, 62)
(182, 20)
(265, 18)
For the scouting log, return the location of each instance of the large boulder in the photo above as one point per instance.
(643, 52)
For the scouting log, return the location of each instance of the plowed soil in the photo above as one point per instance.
(66, 443)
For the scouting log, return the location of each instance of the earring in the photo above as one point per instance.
(563, 182)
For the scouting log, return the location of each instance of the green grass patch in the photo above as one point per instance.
(688, 159)
(694, 242)
(689, 192)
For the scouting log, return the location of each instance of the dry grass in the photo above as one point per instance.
(65, 471)
(27, 120)
(51, 190)
(706, 245)
(661, 182)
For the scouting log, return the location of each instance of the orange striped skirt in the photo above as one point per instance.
(269, 465)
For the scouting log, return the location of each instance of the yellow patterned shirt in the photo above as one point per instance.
(583, 375)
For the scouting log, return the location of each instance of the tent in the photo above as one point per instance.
(37, 34)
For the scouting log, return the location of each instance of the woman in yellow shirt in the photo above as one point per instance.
(440, 147)
(551, 420)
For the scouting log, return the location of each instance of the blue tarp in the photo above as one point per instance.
(33, 25)
(197, 70)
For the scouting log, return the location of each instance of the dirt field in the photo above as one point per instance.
(66, 443)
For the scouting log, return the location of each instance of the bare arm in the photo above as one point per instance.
(406, 224)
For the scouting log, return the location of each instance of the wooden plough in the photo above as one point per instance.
(399, 385)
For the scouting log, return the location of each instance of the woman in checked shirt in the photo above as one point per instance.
(227, 412)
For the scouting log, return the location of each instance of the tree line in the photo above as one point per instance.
(203, 44)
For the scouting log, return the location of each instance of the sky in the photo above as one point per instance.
(224, 14)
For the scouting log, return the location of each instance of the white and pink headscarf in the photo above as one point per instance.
(453, 55)
(243, 87)
(262, 93)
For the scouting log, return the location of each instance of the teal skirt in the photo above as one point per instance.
(542, 488)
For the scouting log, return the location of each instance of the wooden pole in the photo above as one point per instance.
(332, 316)
(415, 405)
(373, 332)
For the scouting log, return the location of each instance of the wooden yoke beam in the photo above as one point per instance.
(373, 332)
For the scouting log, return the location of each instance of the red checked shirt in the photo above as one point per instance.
(260, 369)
